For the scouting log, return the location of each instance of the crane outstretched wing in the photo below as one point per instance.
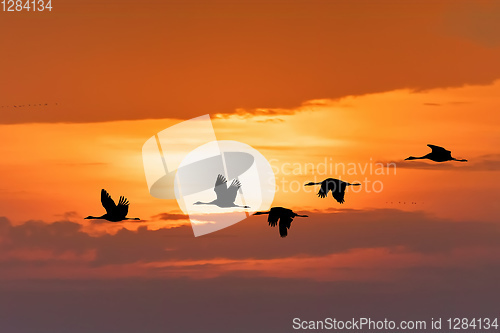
(284, 225)
(107, 202)
(339, 193)
(220, 186)
(122, 208)
(232, 190)
(273, 218)
(437, 149)
(329, 184)
(323, 191)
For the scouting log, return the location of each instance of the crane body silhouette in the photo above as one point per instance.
(281, 216)
(114, 213)
(438, 154)
(336, 186)
(225, 195)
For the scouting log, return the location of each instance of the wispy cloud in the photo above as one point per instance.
(170, 216)
(69, 215)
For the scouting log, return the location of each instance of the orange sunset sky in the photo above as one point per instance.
(310, 85)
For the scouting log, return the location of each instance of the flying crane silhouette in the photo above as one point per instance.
(438, 154)
(285, 217)
(225, 195)
(114, 213)
(336, 186)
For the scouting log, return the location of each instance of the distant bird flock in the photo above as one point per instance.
(26, 105)
(283, 217)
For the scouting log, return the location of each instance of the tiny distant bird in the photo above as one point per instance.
(114, 213)
(336, 186)
(438, 154)
(285, 217)
(225, 195)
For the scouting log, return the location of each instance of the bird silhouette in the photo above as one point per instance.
(114, 213)
(336, 186)
(283, 215)
(438, 154)
(225, 195)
